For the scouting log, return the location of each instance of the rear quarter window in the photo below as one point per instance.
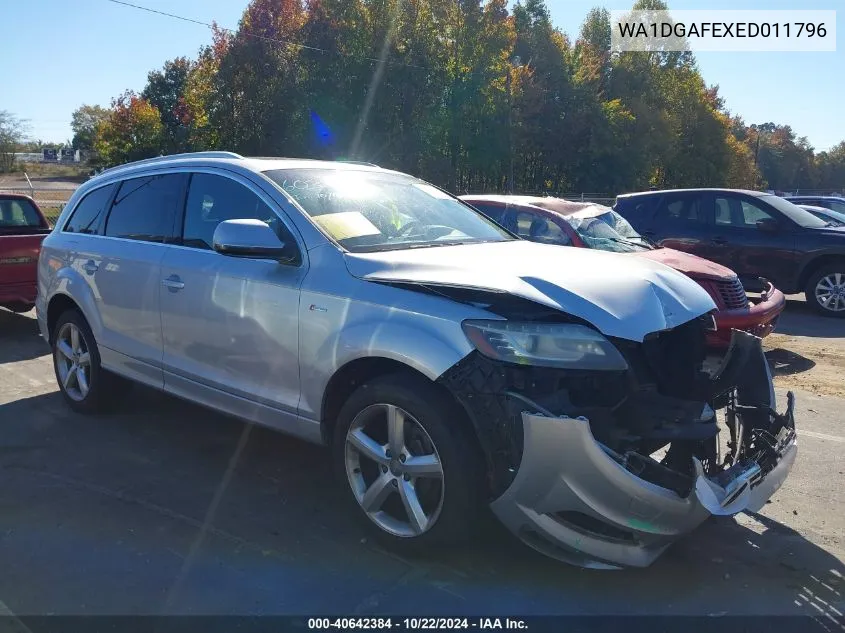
(88, 215)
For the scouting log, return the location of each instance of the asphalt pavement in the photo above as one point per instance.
(167, 508)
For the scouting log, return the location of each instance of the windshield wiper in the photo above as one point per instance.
(625, 241)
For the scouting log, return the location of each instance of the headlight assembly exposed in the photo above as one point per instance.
(563, 345)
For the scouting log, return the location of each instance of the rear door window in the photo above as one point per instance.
(88, 215)
(682, 209)
(146, 208)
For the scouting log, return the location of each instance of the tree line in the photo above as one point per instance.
(464, 93)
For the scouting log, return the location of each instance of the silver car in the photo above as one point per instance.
(447, 364)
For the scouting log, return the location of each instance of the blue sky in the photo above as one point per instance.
(59, 54)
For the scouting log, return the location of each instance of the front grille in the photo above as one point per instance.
(732, 293)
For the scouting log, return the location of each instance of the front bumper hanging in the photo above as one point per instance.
(578, 501)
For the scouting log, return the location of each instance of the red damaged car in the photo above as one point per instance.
(22, 229)
(588, 225)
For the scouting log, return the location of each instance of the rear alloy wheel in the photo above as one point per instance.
(825, 291)
(86, 387)
(409, 466)
(73, 362)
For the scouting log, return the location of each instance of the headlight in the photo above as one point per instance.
(565, 345)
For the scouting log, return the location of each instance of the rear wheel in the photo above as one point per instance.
(409, 468)
(86, 387)
(825, 290)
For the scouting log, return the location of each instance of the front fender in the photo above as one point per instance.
(343, 334)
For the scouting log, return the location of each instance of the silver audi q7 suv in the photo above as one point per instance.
(447, 364)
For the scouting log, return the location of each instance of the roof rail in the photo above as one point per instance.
(357, 162)
(156, 159)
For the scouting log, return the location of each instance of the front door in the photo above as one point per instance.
(230, 324)
(752, 252)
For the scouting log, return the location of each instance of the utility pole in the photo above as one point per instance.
(508, 81)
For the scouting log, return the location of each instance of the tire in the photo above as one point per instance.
(827, 281)
(99, 390)
(433, 436)
(19, 307)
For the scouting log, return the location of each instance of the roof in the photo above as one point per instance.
(546, 203)
(231, 158)
(658, 192)
(812, 197)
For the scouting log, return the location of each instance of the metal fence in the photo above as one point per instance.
(51, 201)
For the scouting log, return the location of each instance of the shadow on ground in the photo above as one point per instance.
(799, 319)
(154, 508)
(784, 362)
(19, 337)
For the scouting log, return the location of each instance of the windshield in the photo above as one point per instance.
(18, 213)
(795, 213)
(367, 211)
(831, 217)
(608, 231)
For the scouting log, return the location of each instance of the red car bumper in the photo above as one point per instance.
(18, 292)
(758, 319)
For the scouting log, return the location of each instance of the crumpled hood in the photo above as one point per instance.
(689, 264)
(626, 297)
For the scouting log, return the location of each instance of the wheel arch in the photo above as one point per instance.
(812, 266)
(362, 370)
(58, 305)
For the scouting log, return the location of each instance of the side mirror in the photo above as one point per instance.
(768, 225)
(248, 238)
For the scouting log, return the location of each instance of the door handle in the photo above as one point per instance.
(173, 283)
(719, 240)
(90, 267)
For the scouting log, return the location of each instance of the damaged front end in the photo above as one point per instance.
(608, 468)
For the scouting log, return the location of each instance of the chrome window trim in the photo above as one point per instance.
(204, 169)
(63, 224)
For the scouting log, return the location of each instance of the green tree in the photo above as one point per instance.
(13, 132)
(132, 131)
(165, 91)
(84, 122)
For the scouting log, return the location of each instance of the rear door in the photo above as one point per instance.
(740, 244)
(126, 272)
(683, 222)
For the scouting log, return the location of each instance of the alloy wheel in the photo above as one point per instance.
(73, 361)
(830, 292)
(394, 470)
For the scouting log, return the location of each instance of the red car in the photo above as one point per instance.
(22, 228)
(588, 225)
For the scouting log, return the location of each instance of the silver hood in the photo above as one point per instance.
(626, 297)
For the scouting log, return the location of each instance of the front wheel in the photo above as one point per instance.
(825, 290)
(408, 465)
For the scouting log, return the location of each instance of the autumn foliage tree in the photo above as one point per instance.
(474, 95)
(132, 131)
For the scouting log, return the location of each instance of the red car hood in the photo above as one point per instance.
(691, 265)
